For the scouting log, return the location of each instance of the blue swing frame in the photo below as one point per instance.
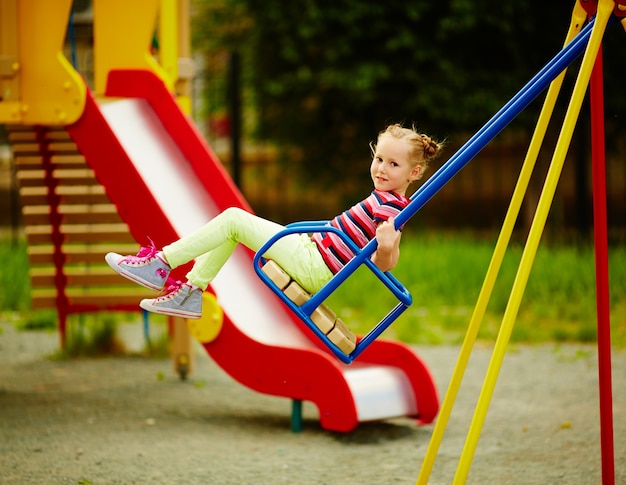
(442, 176)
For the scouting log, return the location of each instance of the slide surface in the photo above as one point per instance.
(166, 182)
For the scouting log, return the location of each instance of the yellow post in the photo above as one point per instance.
(605, 8)
(50, 91)
(174, 20)
(175, 44)
(175, 49)
(578, 18)
(168, 38)
(123, 33)
(9, 64)
(186, 66)
(181, 349)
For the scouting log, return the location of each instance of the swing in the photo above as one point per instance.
(430, 187)
(311, 309)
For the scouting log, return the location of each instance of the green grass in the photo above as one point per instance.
(91, 335)
(445, 275)
(14, 284)
(87, 335)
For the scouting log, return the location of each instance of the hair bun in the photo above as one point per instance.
(431, 148)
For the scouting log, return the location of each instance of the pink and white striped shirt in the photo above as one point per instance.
(359, 224)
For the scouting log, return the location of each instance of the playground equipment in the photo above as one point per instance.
(137, 141)
(599, 15)
(66, 212)
(389, 379)
(579, 39)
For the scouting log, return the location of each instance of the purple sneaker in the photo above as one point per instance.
(181, 300)
(148, 268)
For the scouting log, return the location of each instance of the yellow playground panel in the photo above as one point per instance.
(38, 85)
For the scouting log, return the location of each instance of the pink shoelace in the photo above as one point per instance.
(143, 254)
(171, 286)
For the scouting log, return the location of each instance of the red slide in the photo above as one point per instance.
(166, 182)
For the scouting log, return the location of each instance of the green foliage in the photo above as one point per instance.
(325, 77)
(158, 344)
(445, 276)
(443, 273)
(14, 282)
(220, 27)
(39, 320)
(91, 335)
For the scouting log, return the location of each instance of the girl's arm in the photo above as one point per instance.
(388, 251)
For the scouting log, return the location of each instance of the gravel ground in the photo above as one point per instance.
(131, 420)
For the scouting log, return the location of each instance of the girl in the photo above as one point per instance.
(400, 157)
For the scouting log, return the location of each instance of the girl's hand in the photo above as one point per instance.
(386, 234)
(388, 252)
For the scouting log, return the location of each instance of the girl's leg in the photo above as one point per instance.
(213, 244)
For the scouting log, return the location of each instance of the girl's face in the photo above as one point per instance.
(390, 169)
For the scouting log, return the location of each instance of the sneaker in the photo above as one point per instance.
(182, 300)
(148, 268)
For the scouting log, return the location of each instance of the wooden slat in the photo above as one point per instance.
(62, 146)
(31, 178)
(28, 162)
(72, 214)
(35, 178)
(68, 161)
(18, 137)
(92, 276)
(78, 253)
(34, 162)
(58, 135)
(83, 233)
(67, 194)
(100, 298)
(25, 149)
(83, 176)
(42, 300)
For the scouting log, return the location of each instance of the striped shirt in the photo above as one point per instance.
(359, 224)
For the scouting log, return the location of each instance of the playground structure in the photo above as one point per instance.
(597, 16)
(127, 147)
(131, 83)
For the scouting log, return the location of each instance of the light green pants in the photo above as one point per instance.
(212, 245)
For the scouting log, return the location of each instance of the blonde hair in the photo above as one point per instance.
(422, 148)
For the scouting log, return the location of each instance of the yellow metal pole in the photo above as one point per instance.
(168, 38)
(173, 44)
(123, 33)
(9, 60)
(578, 18)
(186, 67)
(605, 8)
(50, 91)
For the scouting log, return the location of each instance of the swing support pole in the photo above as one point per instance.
(605, 8)
(603, 311)
(577, 20)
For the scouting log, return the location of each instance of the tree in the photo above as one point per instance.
(327, 75)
